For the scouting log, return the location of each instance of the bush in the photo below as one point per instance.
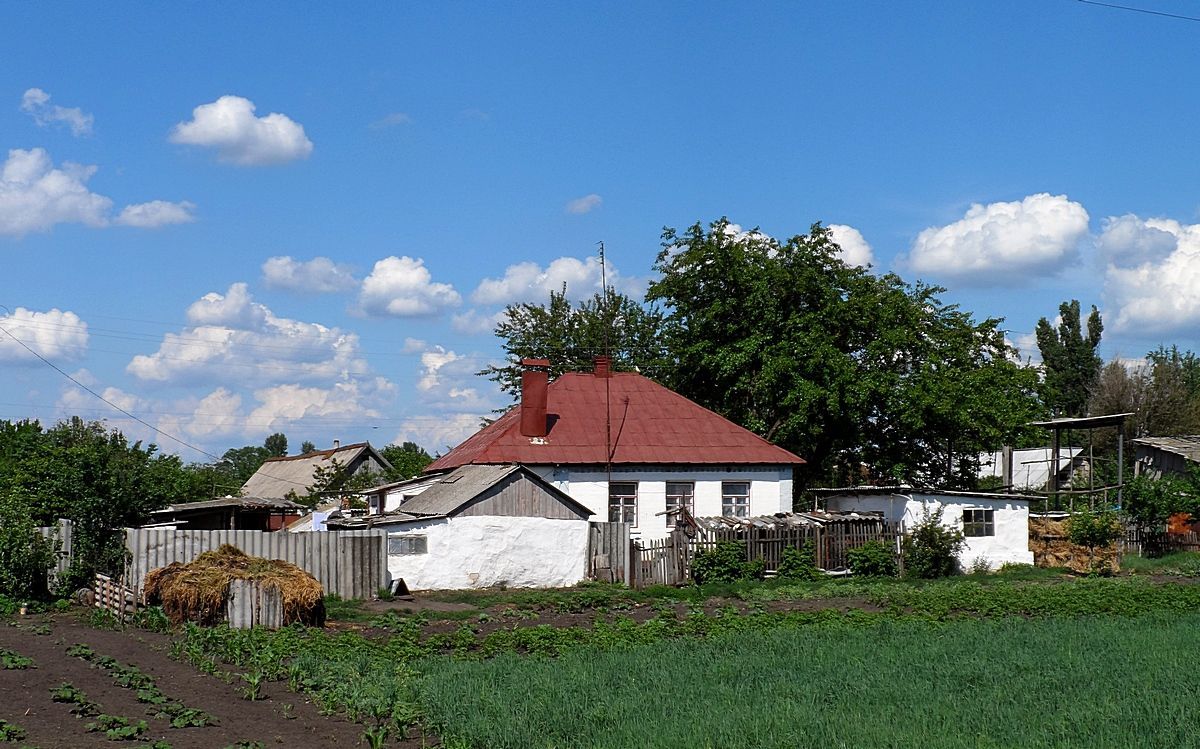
(931, 549)
(1094, 530)
(873, 559)
(799, 563)
(725, 563)
(25, 556)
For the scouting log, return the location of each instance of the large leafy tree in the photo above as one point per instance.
(571, 335)
(840, 366)
(1069, 361)
(407, 459)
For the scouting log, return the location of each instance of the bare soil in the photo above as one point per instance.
(283, 719)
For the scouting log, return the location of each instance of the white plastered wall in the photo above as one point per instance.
(770, 490)
(479, 552)
(1011, 515)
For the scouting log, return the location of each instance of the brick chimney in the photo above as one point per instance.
(534, 380)
(603, 366)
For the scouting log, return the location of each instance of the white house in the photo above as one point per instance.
(628, 449)
(482, 525)
(996, 526)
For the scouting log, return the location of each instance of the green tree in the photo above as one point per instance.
(307, 447)
(836, 364)
(408, 459)
(276, 445)
(571, 336)
(1069, 361)
(931, 548)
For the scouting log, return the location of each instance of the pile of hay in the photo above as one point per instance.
(1051, 547)
(197, 591)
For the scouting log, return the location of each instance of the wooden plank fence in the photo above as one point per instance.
(114, 597)
(669, 561)
(610, 552)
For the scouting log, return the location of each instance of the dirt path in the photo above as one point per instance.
(283, 719)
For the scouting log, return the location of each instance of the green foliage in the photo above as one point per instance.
(25, 556)
(13, 661)
(116, 728)
(1069, 359)
(799, 564)
(572, 336)
(873, 559)
(725, 563)
(1094, 529)
(11, 732)
(276, 445)
(931, 548)
(81, 705)
(889, 375)
(1150, 502)
(407, 459)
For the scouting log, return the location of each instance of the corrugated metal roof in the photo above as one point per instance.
(1187, 446)
(650, 424)
(278, 476)
(1031, 468)
(450, 492)
(248, 503)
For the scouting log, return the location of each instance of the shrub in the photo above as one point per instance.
(873, 559)
(931, 549)
(725, 563)
(1094, 530)
(799, 563)
(25, 556)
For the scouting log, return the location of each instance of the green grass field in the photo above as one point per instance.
(1012, 682)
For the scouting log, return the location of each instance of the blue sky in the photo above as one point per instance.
(235, 219)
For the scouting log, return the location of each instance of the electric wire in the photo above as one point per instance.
(1147, 11)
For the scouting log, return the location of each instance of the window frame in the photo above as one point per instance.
(628, 504)
(688, 499)
(417, 543)
(729, 500)
(982, 522)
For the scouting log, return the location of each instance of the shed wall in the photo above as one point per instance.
(517, 496)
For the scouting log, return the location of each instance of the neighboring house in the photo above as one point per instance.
(629, 450)
(1030, 469)
(1156, 457)
(482, 525)
(996, 526)
(230, 513)
(277, 477)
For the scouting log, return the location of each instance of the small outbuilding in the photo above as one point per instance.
(230, 513)
(479, 526)
(996, 526)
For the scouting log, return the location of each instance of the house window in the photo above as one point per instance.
(735, 499)
(622, 502)
(679, 494)
(403, 545)
(979, 522)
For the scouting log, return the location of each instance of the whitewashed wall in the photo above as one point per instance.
(479, 552)
(770, 490)
(1010, 544)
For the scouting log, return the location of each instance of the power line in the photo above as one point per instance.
(1147, 11)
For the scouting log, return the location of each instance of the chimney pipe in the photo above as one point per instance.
(337, 444)
(603, 366)
(534, 379)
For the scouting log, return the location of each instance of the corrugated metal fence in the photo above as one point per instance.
(62, 533)
(351, 564)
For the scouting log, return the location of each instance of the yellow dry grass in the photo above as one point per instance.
(197, 591)
(1051, 548)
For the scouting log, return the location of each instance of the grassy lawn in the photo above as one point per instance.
(1082, 682)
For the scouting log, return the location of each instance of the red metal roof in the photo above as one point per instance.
(649, 424)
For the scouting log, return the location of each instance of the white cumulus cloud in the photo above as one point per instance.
(585, 204)
(403, 287)
(319, 275)
(230, 126)
(1150, 288)
(529, 282)
(1003, 242)
(54, 334)
(36, 103)
(35, 195)
(288, 405)
(438, 433)
(855, 250)
(156, 213)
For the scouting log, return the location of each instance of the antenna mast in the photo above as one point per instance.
(607, 382)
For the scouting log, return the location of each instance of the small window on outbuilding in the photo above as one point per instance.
(979, 522)
(402, 545)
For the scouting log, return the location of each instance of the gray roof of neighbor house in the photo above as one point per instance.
(278, 476)
(1187, 446)
(245, 503)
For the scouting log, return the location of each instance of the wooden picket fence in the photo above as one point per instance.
(668, 561)
(113, 597)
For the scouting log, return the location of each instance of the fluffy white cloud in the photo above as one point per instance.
(291, 404)
(585, 204)
(34, 195)
(529, 282)
(54, 334)
(234, 339)
(156, 213)
(403, 287)
(448, 383)
(437, 434)
(1129, 241)
(433, 360)
(1003, 242)
(1161, 293)
(229, 125)
(319, 275)
(36, 103)
(474, 322)
(855, 250)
